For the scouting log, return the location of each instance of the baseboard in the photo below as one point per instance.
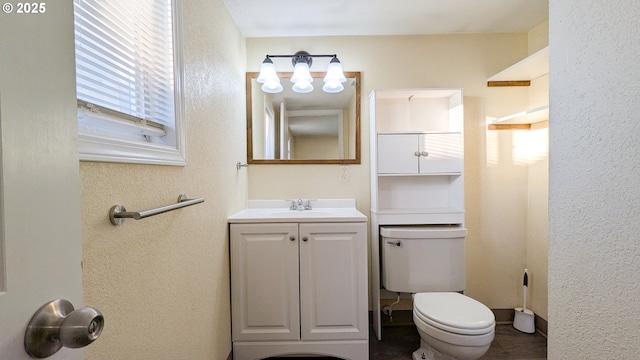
(503, 316)
(541, 325)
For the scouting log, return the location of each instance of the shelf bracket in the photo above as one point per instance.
(509, 127)
(509, 83)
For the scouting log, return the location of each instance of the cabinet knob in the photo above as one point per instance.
(417, 153)
(424, 153)
(292, 238)
(305, 238)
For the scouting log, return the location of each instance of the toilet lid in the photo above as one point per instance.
(453, 312)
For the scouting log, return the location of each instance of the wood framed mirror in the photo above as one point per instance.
(311, 128)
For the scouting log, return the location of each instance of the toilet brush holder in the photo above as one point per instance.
(524, 320)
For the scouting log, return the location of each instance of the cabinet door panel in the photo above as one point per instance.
(264, 282)
(441, 153)
(397, 154)
(333, 281)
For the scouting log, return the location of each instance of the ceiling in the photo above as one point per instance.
(276, 18)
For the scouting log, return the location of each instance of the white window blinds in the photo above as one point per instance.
(124, 57)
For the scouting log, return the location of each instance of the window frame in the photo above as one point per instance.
(103, 148)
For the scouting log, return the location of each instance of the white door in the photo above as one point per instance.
(333, 281)
(40, 242)
(440, 153)
(398, 154)
(264, 282)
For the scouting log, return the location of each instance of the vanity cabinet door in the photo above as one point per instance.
(333, 281)
(264, 282)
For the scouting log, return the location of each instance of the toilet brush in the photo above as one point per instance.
(524, 319)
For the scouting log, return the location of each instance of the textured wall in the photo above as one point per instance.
(496, 177)
(163, 282)
(594, 189)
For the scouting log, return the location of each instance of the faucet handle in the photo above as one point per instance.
(307, 204)
(293, 205)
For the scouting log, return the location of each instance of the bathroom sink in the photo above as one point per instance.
(325, 210)
(300, 214)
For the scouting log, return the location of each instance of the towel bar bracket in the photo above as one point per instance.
(118, 213)
(116, 210)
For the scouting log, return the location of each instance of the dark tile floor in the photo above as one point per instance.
(399, 342)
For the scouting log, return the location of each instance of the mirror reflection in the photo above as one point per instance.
(311, 128)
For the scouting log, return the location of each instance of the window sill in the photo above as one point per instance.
(104, 149)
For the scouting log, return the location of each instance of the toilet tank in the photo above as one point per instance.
(423, 258)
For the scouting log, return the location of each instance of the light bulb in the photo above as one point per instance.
(302, 87)
(272, 87)
(334, 72)
(267, 72)
(332, 87)
(301, 73)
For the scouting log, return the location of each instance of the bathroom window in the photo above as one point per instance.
(129, 81)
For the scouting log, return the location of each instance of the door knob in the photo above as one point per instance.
(57, 324)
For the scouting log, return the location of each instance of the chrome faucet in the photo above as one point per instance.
(300, 205)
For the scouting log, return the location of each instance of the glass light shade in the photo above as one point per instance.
(267, 72)
(301, 72)
(334, 72)
(333, 87)
(302, 87)
(272, 87)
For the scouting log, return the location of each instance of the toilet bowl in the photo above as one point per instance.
(452, 326)
(429, 261)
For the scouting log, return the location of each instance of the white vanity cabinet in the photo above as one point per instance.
(419, 153)
(299, 288)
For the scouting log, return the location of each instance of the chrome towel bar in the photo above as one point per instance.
(118, 213)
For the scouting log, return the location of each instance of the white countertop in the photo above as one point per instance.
(323, 210)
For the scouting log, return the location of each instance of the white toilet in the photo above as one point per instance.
(429, 262)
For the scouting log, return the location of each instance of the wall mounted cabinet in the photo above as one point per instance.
(419, 153)
(417, 165)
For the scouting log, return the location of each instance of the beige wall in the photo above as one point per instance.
(163, 282)
(538, 187)
(496, 178)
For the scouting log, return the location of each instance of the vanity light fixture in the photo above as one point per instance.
(301, 79)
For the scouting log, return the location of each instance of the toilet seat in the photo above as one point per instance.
(454, 313)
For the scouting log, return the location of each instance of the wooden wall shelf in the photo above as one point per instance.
(531, 67)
